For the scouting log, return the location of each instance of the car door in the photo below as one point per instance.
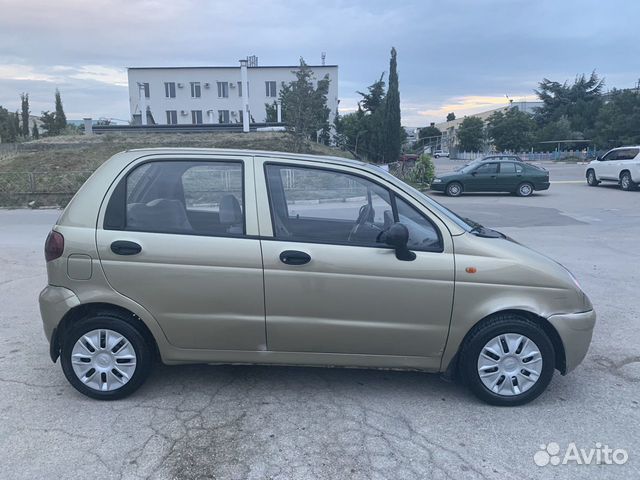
(625, 159)
(606, 167)
(508, 179)
(179, 237)
(330, 285)
(483, 178)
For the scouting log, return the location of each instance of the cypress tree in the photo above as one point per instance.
(24, 100)
(61, 119)
(391, 125)
(35, 133)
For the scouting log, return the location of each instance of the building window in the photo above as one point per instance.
(195, 90)
(172, 117)
(170, 89)
(223, 89)
(239, 89)
(196, 117)
(240, 116)
(146, 90)
(270, 88)
(223, 116)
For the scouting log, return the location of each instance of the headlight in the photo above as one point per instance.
(437, 180)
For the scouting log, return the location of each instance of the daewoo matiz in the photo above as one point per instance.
(227, 256)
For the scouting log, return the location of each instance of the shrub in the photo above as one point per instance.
(423, 171)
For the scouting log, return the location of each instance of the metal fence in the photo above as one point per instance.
(45, 188)
(568, 155)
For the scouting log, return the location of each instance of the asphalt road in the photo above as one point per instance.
(287, 423)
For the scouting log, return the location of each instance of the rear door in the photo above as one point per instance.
(179, 237)
(508, 178)
(330, 286)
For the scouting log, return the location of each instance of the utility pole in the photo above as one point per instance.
(245, 95)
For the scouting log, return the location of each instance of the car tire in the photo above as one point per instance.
(592, 181)
(454, 189)
(626, 183)
(515, 367)
(119, 343)
(525, 189)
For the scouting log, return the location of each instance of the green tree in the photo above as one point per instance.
(429, 132)
(392, 128)
(60, 117)
(374, 99)
(24, 101)
(471, 134)
(35, 133)
(8, 133)
(513, 130)
(271, 110)
(451, 116)
(578, 102)
(618, 121)
(49, 125)
(304, 107)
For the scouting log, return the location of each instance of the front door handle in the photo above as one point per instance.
(124, 247)
(294, 257)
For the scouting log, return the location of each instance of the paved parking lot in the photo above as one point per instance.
(276, 422)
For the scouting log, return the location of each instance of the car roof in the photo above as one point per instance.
(502, 158)
(626, 146)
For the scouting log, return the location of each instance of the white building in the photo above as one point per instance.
(195, 95)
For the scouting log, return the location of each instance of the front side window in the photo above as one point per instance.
(270, 89)
(193, 198)
(170, 89)
(196, 91)
(423, 235)
(172, 117)
(223, 89)
(326, 206)
(487, 169)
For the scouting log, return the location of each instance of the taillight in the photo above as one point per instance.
(53, 246)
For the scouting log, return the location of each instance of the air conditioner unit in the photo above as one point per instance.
(181, 85)
(206, 85)
(233, 113)
(184, 112)
(232, 85)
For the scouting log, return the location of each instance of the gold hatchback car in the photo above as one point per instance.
(230, 256)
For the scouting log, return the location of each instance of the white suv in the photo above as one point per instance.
(620, 165)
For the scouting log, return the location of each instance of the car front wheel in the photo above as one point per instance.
(105, 357)
(454, 189)
(525, 189)
(507, 360)
(592, 181)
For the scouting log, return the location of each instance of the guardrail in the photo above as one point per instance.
(201, 128)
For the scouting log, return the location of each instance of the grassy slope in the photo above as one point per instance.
(79, 152)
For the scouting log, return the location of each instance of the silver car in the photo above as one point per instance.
(229, 256)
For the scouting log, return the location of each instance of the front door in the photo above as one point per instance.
(483, 178)
(174, 240)
(331, 287)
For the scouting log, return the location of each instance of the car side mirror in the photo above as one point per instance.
(397, 236)
(474, 173)
(599, 158)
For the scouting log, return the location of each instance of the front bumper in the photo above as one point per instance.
(55, 302)
(575, 330)
(438, 187)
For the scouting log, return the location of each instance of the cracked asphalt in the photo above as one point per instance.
(258, 422)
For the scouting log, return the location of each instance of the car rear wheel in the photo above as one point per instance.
(525, 189)
(105, 357)
(625, 181)
(592, 181)
(507, 360)
(454, 189)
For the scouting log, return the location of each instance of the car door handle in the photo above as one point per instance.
(124, 247)
(294, 257)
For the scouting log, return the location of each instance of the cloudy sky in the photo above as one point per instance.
(453, 55)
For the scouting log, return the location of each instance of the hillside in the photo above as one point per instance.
(85, 153)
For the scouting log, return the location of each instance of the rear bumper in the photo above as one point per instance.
(55, 302)
(542, 186)
(575, 330)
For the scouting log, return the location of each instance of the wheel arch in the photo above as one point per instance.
(560, 357)
(83, 310)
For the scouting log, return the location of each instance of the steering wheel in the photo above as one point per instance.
(366, 214)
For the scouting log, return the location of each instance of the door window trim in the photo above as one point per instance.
(392, 198)
(115, 214)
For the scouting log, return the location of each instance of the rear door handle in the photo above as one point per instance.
(294, 257)
(125, 247)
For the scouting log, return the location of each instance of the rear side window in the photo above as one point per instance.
(192, 198)
(628, 153)
(507, 168)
